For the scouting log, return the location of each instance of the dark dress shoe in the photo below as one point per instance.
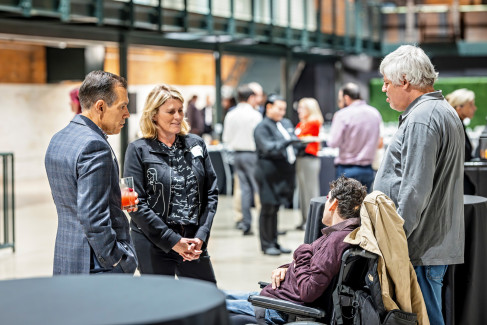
(240, 225)
(284, 250)
(301, 227)
(273, 251)
(281, 233)
(248, 232)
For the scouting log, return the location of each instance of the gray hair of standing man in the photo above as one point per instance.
(256, 88)
(99, 85)
(409, 63)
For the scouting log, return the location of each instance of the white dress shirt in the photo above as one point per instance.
(238, 127)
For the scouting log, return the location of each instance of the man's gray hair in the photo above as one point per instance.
(409, 63)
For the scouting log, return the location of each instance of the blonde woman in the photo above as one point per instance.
(463, 101)
(307, 163)
(177, 190)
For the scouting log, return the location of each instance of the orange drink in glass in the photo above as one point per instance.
(128, 193)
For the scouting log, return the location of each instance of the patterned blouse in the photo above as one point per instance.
(183, 199)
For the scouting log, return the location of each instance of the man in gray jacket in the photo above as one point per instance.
(93, 232)
(422, 170)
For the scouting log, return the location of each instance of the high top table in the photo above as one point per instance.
(465, 285)
(477, 173)
(315, 216)
(111, 299)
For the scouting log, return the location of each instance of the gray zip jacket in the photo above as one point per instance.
(422, 172)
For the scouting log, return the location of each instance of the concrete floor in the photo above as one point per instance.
(238, 262)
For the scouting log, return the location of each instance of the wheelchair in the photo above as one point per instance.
(353, 297)
(338, 300)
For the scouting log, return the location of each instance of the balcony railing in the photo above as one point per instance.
(458, 29)
(322, 27)
(306, 25)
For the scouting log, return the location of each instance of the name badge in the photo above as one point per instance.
(197, 151)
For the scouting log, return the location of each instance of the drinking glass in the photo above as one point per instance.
(128, 194)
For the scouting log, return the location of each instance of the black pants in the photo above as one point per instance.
(153, 260)
(268, 226)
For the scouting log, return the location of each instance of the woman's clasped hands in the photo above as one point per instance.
(189, 248)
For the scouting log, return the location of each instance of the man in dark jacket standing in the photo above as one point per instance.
(196, 118)
(274, 174)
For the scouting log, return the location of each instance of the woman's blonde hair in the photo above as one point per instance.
(156, 98)
(460, 97)
(313, 108)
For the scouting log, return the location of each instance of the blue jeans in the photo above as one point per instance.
(363, 174)
(237, 302)
(430, 279)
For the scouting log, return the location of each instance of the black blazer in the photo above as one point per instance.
(274, 175)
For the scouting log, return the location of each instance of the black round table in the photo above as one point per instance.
(465, 285)
(477, 174)
(111, 299)
(327, 173)
(314, 222)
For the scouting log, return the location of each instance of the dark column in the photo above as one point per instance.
(286, 90)
(124, 133)
(218, 85)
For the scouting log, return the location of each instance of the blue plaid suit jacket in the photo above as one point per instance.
(84, 178)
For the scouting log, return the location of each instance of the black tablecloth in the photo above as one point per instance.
(111, 299)
(465, 285)
(477, 174)
(218, 165)
(327, 173)
(315, 216)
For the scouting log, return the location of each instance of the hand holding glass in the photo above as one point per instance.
(129, 196)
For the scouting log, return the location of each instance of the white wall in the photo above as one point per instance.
(32, 114)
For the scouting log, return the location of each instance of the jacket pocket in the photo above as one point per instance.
(129, 260)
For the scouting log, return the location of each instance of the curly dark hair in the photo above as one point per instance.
(350, 194)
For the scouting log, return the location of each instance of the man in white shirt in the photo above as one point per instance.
(238, 135)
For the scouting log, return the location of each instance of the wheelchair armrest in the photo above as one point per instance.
(263, 284)
(286, 306)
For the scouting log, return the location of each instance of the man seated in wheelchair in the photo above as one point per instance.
(314, 265)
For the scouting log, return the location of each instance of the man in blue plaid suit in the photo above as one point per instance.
(93, 231)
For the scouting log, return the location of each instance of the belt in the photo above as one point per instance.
(185, 231)
(361, 166)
